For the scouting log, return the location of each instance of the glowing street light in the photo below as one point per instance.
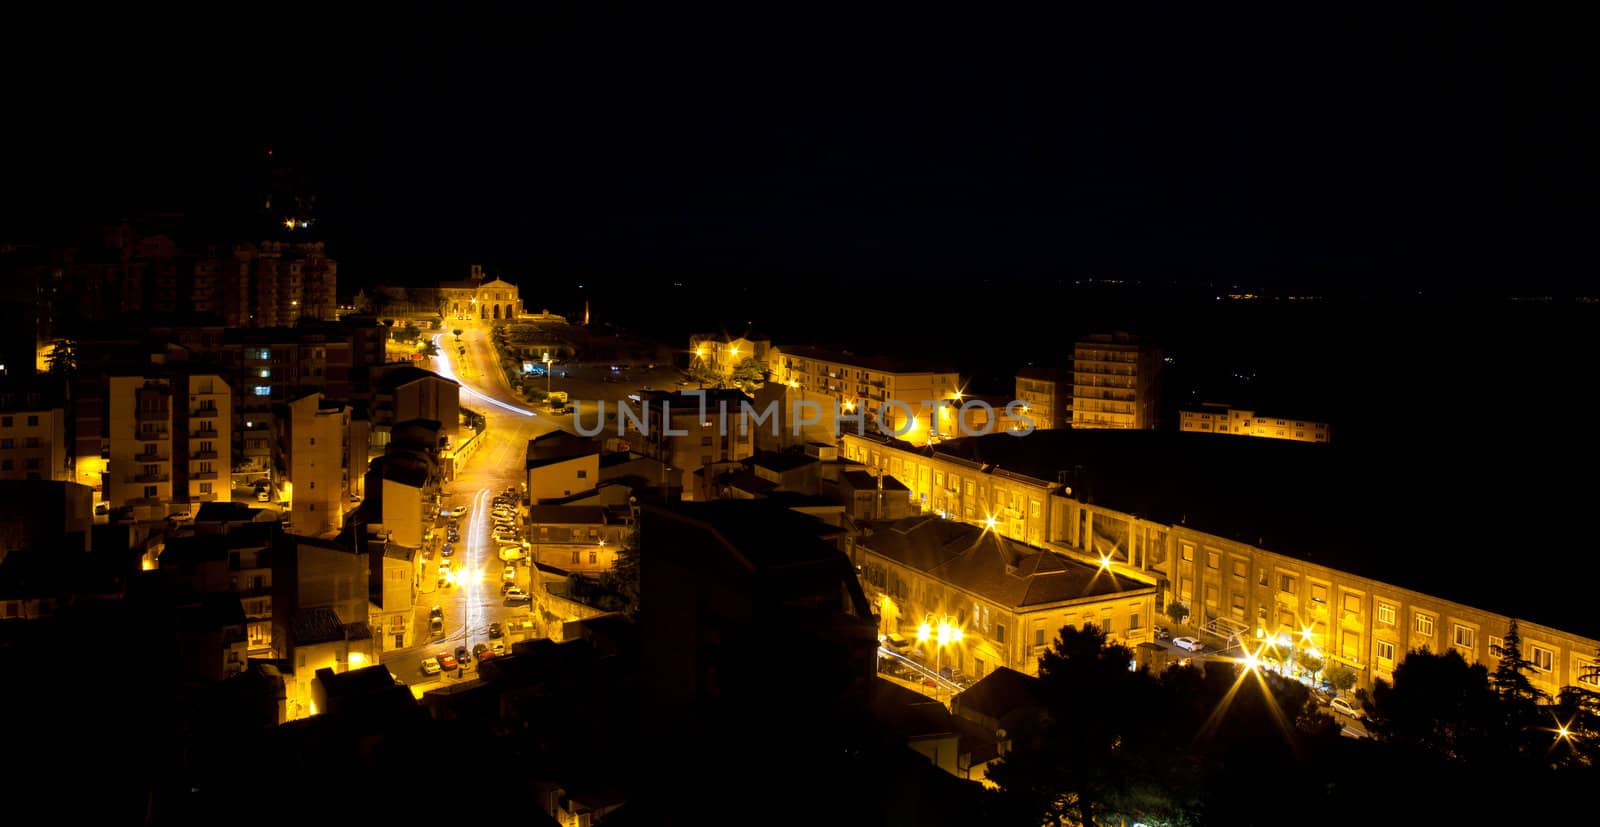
(990, 522)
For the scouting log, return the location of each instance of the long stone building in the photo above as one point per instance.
(1259, 540)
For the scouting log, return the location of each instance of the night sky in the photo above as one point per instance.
(1195, 142)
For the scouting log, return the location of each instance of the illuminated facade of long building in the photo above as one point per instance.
(1230, 586)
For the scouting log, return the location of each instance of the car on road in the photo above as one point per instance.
(430, 666)
(1163, 633)
(448, 550)
(495, 630)
(446, 660)
(1344, 707)
(1192, 644)
(482, 652)
(515, 594)
(444, 565)
(458, 511)
(436, 626)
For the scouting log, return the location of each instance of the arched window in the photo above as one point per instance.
(497, 311)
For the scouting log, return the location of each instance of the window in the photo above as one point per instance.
(1424, 625)
(1133, 621)
(583, 473)
(313, 485)
(1038, 637)
(149, 491)
(33, 421)
(574, 558)
(1261, 579)
(938, 478)
(1213, 560)
(5, 421)
(999, 633)
(262, 390)
(7, 443)
(1188, 552)
(705, 440)
(1386, 614)
(205, 488)
(1238, 607)
(1285, 582)
(1497, 646)
(594, 557)
(1465, 637)
(6, 465)
(1352, 604)
(1319, 593)
(1589, 673)
(1035, 509)
(1385, 650)
(1542, 659)
(313, 440)
(1241, 568)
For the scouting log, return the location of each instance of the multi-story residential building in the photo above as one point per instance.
(33, 429)
(1046, 394)
(577, 538)
(691, 430)
(320, 613)
(237, 561)
(1309, 580)
(316, 459)
(866, 385)
(404, 392)
(561, 465)
(718, 354)
(1212, 418)
(270, 367)
(395, 576)
(166, 446)
(1115, 383)
(402, 487)
(44, 513)
(1009, 599)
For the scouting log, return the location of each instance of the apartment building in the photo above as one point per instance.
(1046, 394)
(577, 538)
(865, 385)
(1212, 418)
(403, 392)
(165, 443)
(269, 368)
(717, 354)
(1115, 383)
(315, 458)
(560, 465)
(33, 430)
(1118, 501)
(694, 430)
(1009, 599)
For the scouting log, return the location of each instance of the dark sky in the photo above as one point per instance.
(1192, 141)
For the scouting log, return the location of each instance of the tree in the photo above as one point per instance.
(1510, 679)
(1340, 677)
(749, 374)
(458, 331)
(623, 579)
(63, 359)
(1309, 662)
(410, 332)
(1177, 612)
(1440, 703)
(428, 348)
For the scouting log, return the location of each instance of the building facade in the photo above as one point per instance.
(1233, 590)
(717, 354)
(1222, 419)
(314, 459)
(33, 432)
(1046, 394)
(694, 430)
(165, 441)
(865, 386)
(478, 300)
(1115, 383)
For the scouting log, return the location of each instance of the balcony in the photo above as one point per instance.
(143, 415)
(203, 476)
(202, 455)
(207, 432)
(156, 477)
(155, 456)
(204, 413)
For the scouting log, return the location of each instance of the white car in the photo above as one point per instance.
(1344, 707)
(516, 595)
(510, 573)
(458, 511)
(1189, 643)
(430, 666)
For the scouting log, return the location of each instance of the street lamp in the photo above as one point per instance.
(547, 377)
(945, 634)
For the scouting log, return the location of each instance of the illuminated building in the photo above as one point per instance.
(476, 300)
(1221, 419)
(315, 456)
(560, 465)
(1311, 578)
(682, 434)
(1115, 383)
(33, 430)
(1009, 599)
(717, 355)
(863, 384)
(1047, 393)
(167, 440)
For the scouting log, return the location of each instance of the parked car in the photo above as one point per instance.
(510, 573)
(458, 511)
(1163, 633)
(495, 630)
(446, 660)
(447, 550)
(1189, 643)
(498, 648)
(481, 652)
(430, 666)
(264, 495)
(1344, 707)
(463, 657)
(515, 594)
(444, 565)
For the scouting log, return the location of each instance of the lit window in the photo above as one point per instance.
(1285, 582)
(1213, 560)
(1589, 674)
(1386, 614)
(1319, 593)
(1465, 637)
(1496, 646)
(1385, 650)
(266, 373)
(1542, 659)
(1424, 625)
(262, 390)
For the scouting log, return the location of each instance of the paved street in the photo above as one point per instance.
(473, 600)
